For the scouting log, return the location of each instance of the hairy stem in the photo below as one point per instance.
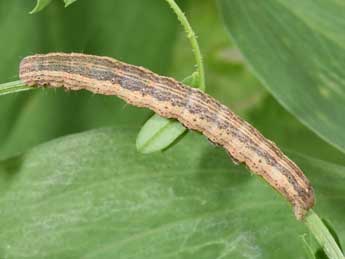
(193, 41)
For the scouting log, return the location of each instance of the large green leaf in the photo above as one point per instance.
(126, 30)
(91, 195)
(296, 48)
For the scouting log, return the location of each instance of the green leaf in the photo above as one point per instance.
(69, 2)
(310, 245)
(192, 80)
(289, 133)
(330, 248)
(313, 248)
(333, 232)
(296, 49)
(13, 87)
(91, 195)
(158, 133)
(40, 5)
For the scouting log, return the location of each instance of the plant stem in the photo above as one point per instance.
(323, 236)
(193, 41)
(13, 87)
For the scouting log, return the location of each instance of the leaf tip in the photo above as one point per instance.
(40, 5)
(69, 2)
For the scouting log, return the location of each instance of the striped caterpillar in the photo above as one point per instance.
(170, 98)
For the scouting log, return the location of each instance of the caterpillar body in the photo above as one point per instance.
(171, 99)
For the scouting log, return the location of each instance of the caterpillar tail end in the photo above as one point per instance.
(302, 209)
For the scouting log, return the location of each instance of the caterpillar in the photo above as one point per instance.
(172, 99)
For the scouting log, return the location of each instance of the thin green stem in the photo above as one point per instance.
(193, 41)
(323, 236)
(13, 87)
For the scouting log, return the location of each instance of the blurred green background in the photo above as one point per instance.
(144, 33)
